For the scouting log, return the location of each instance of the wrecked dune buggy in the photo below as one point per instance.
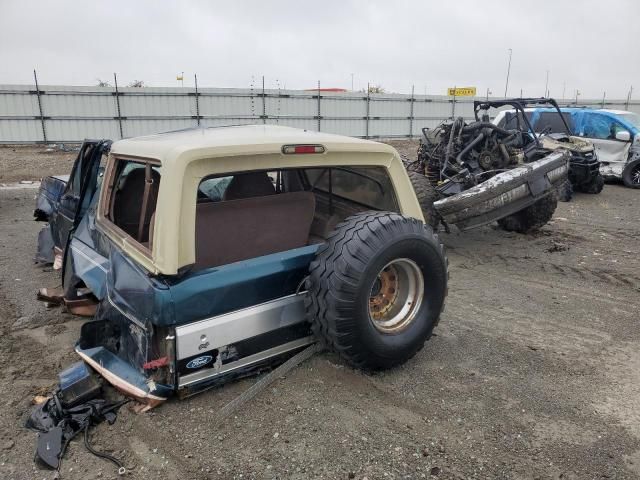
(216, 253)
(548, 126)
(473, 174)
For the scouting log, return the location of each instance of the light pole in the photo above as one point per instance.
(506, 86)
(489, 92)
(546, 85)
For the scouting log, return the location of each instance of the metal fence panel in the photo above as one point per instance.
(21, 131)
(135, 128)
(72, 113)
(18, 105)
(73, 130)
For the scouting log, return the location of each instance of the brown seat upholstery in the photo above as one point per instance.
(235, 230)
(246, 185)
(128, 202)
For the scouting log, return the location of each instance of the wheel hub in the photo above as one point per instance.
(635, 175)
(396, 295)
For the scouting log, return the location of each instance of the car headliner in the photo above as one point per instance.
(187, 156)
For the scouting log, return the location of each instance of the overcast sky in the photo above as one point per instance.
(591, 46)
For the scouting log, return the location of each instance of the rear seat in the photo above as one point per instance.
(235, 230)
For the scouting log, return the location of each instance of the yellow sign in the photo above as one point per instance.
(179, 77)
(462, 92)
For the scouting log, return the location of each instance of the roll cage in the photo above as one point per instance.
(519, 104)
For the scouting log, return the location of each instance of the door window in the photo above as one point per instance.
(601, 127)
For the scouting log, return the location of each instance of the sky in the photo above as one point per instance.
(589, 46)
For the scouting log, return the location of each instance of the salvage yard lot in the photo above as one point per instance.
(534, 371)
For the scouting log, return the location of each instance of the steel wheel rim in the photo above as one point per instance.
(635, 175)
(396, 295)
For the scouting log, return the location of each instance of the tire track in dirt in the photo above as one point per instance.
(472, 260)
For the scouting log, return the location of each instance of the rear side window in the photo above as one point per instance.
(552, 122)
(133, 193)
(368, 186)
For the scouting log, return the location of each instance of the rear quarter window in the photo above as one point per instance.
(131, 202)
(368, 186)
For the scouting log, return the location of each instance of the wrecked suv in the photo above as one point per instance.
(219, 252)
(472, 174)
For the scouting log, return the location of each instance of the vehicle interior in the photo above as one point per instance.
(252, 214)
(269, 212)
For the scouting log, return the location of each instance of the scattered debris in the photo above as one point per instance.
(40, 399)
(557, 247)
(72, 409)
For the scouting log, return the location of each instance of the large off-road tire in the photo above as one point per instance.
(631, 175)
(564, 191)
(426, 194)
(595, 186)
(531, 218)
(376, 289)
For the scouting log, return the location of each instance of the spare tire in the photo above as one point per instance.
(531, 218)
(426, 194)
(376, 289)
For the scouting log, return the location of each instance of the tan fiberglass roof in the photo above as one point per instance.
(245, 139)
(187, 156)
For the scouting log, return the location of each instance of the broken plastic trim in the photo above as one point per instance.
(130, 383)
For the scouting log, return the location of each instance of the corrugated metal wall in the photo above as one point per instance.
(70, 114)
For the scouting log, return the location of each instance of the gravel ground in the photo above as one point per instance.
(534, 371)
(32, 162)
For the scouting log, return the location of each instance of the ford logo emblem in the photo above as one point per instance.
(199, 362)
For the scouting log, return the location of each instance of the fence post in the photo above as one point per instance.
(319, 111)
(453, 104)
(411, 111)
(195, 79)
(264, 103)
(366, 135)
(119, 118)
(44, 130)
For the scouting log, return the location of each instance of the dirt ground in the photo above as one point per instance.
(534, 371)
(32, 162)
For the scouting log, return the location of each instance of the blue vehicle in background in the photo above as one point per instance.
(615, 135)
